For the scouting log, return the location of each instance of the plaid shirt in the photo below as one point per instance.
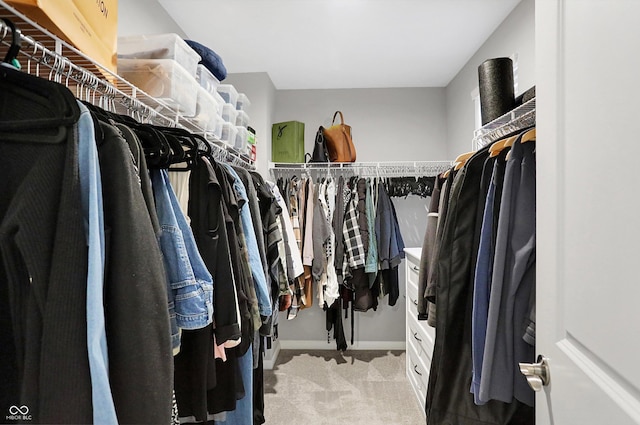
(354, 255)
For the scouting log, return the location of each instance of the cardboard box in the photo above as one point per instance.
(89, 25)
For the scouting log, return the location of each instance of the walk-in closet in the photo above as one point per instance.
(322, 212)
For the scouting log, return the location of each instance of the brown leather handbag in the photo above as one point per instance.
(339, 143)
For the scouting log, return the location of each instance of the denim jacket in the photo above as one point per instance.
(190, 285)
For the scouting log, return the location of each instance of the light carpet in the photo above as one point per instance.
(328, 387)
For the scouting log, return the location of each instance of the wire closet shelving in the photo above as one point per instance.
(364, 169)
(45, 55)
(519, 118)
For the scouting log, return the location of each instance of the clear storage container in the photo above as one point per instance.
(159, 46)
(217, 129)
(241, 139)
(218, 99)
(229, 113)
(228, 93)
(243, 102)
(242, 119)
(163, 79)
(207, 110)
(207, 79)
(229, 133)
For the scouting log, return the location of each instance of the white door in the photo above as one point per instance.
(588, 257)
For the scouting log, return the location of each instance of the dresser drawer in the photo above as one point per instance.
(413, 271)
(419, 388)
(423, 337)
(416, 367)
(412, 299)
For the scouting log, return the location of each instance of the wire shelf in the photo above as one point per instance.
(521, 117)
(364, 169)
(45, 55)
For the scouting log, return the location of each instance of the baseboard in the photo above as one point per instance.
(269, 363)
(359, 345)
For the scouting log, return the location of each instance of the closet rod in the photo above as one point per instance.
(48, 56)
(519, 118)
(62, 70)
(367, 169)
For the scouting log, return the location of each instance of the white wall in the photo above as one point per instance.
(515, 35)
(137, 17)
(388, 125)
(262, 94)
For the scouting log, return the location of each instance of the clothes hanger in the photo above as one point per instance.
(191, 147)
(500, 145)
(155, 145)
(529, 136)
(16, 43)
(462, 159)
(34, 92)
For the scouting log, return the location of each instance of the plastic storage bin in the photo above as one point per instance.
(243, 102)
(229, 133)
(228, 93)
(217, 127)
(242, 119)
(207, 110)
(229, 113)
(241, 139)
(218, 99)
(159, 46)
(163, 79)
(206, 79)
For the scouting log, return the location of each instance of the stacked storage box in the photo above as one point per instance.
(164, 67)
(209, 84)
(244, 139)
(229, 113)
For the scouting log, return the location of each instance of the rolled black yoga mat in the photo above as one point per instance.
(496, 88)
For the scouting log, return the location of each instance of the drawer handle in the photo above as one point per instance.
(414, 301)
(416, 269)
(415, 369)
(415, 335)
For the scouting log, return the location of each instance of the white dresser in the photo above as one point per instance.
(420, 337)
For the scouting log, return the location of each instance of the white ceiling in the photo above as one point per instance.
(320, 44)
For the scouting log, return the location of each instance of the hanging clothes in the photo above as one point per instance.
(306, 281)
(512, 282)
(88, 268)
(190, 285)
(93, 211)
(321, 235)
(276, 276)
(43, 248)
(332, 287)
(390, 245)
(432, 274)
(448, 398)
(428, 246)
(484, 267)
(134, 287)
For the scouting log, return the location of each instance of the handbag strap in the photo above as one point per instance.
(335, 115)
(320, 135)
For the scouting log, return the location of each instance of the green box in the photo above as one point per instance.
(287, 142)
